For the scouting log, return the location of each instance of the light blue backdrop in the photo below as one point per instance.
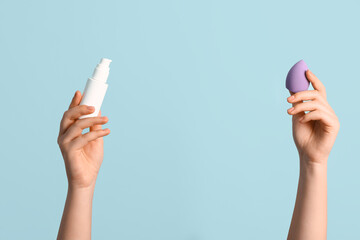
(201, 144)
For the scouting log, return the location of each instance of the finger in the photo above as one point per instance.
(317, 116)
(76, 129)
(315, 82)
(293, 104)
(90, 136)
(76, 99)
(72, 114)
(303, 96)
(96, 127)
(302, 107)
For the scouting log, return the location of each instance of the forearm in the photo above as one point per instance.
(76, 219)
(309, 219)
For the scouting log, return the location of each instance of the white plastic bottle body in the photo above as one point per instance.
(94, 94)
(96, 87)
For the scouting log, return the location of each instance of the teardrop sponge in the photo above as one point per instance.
(296, 78)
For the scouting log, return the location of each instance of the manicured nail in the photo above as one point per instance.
(291, 109)
(291, 98)
(91, 108)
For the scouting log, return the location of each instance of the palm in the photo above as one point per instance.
(311, 138)
(94, 151)
(86, 163)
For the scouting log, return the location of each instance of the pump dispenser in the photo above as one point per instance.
(96, 87)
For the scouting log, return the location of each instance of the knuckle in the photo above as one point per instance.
(60, 141)
(316, 103)
(88, 137)
(316, 94)
(101, 119)
(66, 114)
(77, 123)
(68, 147)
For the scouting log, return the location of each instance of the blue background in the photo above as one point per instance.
(201, 144)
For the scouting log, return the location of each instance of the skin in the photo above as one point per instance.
(314, 135)
(83, 155)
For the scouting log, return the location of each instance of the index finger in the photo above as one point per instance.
(71, 115)
(76, 99)
(294, 103)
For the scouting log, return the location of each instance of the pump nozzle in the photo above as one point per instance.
(101, 71)
(105, 61)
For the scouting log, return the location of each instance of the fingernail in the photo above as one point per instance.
(301, 119)
(291, 98)
(291, 109)
(90, 108)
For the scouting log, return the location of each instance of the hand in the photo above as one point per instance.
(82, 153)
(314, 132)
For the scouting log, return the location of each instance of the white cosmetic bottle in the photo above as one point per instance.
(96, 87)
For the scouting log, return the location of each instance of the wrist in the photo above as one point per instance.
(83, 182)
(314, 159)
(313, 168)
(72, 188)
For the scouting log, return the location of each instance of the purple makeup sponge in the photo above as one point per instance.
(296, 79)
